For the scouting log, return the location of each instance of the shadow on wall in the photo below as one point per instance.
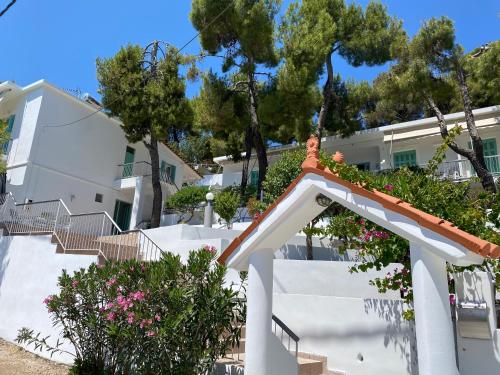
(402, 340)
(325, 253)
(4, 263)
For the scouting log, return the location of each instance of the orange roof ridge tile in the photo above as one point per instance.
(443, 227)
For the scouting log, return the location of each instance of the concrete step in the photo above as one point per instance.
(309, 366)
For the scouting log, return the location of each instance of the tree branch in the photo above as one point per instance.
(7, 7)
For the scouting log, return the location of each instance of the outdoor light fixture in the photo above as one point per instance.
(209, 196)
(323, 200)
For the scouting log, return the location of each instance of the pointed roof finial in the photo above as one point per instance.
(312, 151)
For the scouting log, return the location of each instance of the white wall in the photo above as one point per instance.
(71, 162)
(29, 268)
(339, 315)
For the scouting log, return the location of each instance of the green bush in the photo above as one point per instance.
(226, 205)
(162, 317)
(186, 200)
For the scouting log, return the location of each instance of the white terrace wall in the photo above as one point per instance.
(339, 315)
(29, 268)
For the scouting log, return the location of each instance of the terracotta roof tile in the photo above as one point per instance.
(436, 224)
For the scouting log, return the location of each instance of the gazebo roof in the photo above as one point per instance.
(457, 246)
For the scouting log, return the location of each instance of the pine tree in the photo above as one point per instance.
(243, 33)
(149, 98)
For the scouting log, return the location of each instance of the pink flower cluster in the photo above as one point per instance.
(210, 249)
(369, 234)
(47, 300)
(389, 187)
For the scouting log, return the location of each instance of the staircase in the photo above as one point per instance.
(93, 233)
(234, 361)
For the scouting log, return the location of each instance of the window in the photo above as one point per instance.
(167, 171)
(403, 158)
(98, 198)
(490, 154)
(363, 166)
(254, 178)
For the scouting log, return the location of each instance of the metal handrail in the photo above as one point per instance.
(95, 231)
(285, 329)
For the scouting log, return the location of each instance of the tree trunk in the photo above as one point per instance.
(327, 98)
(246, 161)
(476, 159)
(155, 181)
(477, 143)
(309, 247)
(258, 142)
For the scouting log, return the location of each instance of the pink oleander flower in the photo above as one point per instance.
(210, 249)
(111, 282)
(109, 305)
(138, 296)
(157, 317)
(111, 316)
(130, 317)
(74, 284)
(150, 334)
(143, 268)
(47, 300)
(389, 187)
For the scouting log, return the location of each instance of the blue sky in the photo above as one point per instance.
(59, 40)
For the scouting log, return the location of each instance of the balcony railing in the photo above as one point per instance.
(141, 168)
(459, 170)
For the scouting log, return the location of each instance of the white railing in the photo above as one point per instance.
(462, 169)
(90, 233)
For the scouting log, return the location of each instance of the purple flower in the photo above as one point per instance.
(453, 299)
(138, 296)
(389, 187)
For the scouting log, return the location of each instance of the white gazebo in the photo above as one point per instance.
(433, 242)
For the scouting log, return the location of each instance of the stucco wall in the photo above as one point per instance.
(29, 268)
(339, 315)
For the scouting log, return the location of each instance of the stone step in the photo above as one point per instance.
(309, 366)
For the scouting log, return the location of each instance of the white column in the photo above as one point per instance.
(136, 215)
(435, 342)
(259, 312)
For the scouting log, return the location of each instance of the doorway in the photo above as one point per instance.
(122, 214)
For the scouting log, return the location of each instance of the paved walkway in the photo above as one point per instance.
(16, 361)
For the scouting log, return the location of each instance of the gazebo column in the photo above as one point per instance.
(259, 312)
(434, 330)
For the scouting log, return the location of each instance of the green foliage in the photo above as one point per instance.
(194, 149)
(282, 173)
(226, 205)
(313, 31)
(146, 106)
(186, 200)
(4, 137)
(484, 76)
(162, 317)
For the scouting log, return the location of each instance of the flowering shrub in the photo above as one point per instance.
(377, 248)
(163, 317)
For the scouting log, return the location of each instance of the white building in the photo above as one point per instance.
(62, 147)
(389, 147)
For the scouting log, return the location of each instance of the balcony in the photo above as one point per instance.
(126, 173)
(460, 170)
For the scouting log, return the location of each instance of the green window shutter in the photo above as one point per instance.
(403, 158)
(254, 178)
(10, 123)
(490, 154)
(172, 173)
(128, 166)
